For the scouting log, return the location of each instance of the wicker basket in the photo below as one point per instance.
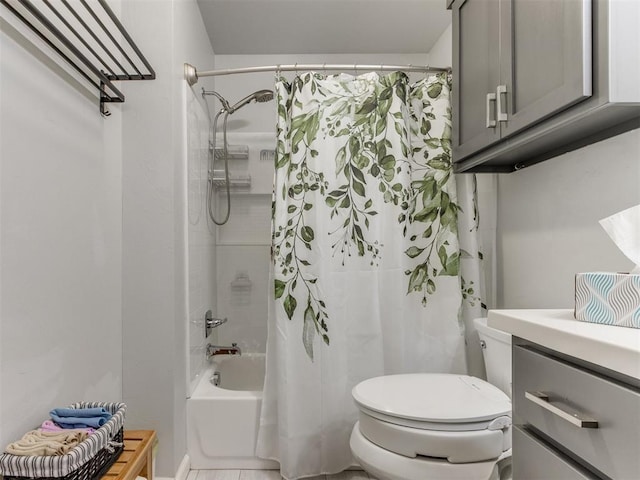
(89, 460)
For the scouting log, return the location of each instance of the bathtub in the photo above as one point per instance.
(222, 421)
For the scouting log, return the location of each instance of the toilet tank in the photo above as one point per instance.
(496, 350)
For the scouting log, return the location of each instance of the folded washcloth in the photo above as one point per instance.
(80, 417)
(79, 422)
(37, 442)
(49, 426)
(81, 412)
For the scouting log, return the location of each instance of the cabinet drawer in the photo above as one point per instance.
(533, 460)
(613, 446)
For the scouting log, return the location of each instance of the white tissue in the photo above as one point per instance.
(624, 229)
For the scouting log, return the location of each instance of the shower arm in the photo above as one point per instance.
(223, 101)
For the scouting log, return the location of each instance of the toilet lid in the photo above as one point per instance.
(433, 398)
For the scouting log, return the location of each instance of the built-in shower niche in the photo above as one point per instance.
(250, 156)
(237, 157)
(236, 181)
(234, 152)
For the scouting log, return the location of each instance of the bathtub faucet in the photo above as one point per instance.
(212, 350)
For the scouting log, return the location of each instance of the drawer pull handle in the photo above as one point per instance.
(491, 98)
(500, 91)
(542, 399)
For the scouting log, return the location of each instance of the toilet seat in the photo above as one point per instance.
(386, 465)
(433, 401)
(457, 418)
(454, 447)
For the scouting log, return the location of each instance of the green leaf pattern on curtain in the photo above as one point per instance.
(386, 146)
(432, 210)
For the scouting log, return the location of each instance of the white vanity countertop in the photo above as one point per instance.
(615, 348)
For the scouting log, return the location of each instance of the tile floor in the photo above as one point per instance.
(268, 475)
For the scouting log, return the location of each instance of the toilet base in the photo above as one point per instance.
(386, 465)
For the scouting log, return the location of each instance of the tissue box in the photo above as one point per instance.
(609, 298)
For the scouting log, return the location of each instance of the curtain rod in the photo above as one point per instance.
(192, 75)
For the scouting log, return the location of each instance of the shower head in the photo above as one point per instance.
(223, 101)
(260, 96)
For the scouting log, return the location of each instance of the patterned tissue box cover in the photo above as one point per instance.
(608, 298)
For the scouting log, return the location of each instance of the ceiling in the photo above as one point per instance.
(238, 27)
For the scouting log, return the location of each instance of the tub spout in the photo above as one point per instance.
(212, 350)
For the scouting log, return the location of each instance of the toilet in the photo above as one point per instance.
(438, 426)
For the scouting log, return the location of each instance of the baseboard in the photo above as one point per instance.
(233, 463)
(182, 473)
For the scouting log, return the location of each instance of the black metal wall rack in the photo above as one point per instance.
(89, 36)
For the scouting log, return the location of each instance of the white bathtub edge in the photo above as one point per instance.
(236, 413)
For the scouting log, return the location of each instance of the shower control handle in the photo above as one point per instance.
(211, 323)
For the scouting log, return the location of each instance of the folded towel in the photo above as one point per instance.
(49, 426)
(79, 422)
(80, 417)
(37, 442)
(81, 412)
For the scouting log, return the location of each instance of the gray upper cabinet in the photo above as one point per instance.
(545, 63)
(536, 78)
(477, 70)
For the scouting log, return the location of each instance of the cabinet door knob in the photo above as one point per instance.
(542, 399)
(491, 122)
(500, 91)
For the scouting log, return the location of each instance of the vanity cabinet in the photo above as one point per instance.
(536, 453)
(535, 78)
(573, 420)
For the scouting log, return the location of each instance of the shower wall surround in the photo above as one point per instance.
(201, 262)
(243, 243)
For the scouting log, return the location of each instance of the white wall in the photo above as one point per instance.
(441, 54)
(548, 221)
(155, 239)
(60, 238)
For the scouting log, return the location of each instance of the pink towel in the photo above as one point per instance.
(49, 426)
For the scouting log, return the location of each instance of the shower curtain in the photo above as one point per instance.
(365, 256)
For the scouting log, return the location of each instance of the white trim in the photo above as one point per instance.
(183, 468)
(236, 463)
(181, 474)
